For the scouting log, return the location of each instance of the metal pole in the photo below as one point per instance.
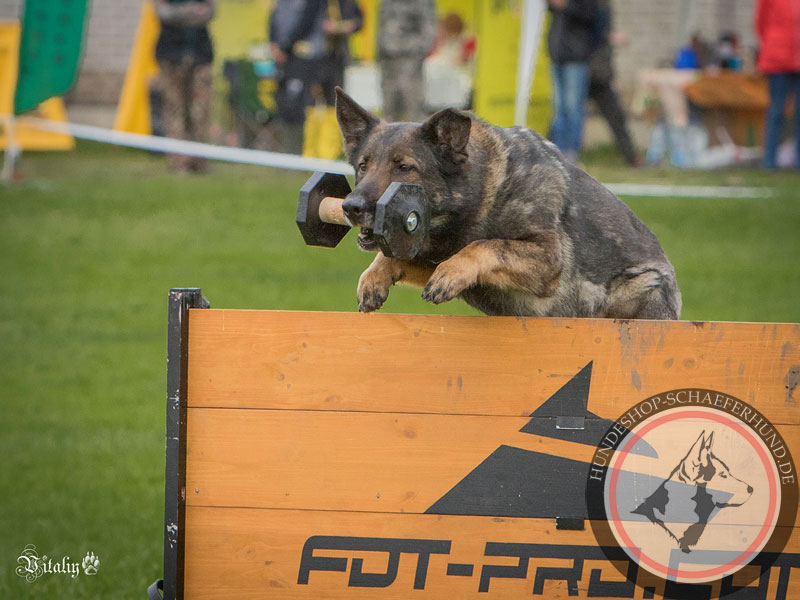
(533, 12)
(12, 150)
(684, 18)
(180, 301)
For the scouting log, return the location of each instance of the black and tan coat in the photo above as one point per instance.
(515, 230)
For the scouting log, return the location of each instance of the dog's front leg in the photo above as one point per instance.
(383, 273)
(528, 266)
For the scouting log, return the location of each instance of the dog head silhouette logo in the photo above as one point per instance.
(697, 487)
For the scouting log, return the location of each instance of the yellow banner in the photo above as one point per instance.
(27, 138)
(498, 29)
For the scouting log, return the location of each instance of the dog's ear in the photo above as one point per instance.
(705, 451)
(695, 455)
(448, 130)
(355, 121)
(699, 451)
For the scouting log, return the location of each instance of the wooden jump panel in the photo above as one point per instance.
(338, 455)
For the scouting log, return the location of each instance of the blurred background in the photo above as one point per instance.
(471, 61)
(94, 234)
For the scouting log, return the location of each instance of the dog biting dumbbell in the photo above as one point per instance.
(401, 215)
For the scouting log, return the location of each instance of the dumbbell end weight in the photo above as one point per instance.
(319, 216)
(402, 219)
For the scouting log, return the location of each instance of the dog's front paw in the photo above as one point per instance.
(373, 290)
(447, 282)
(370, 299)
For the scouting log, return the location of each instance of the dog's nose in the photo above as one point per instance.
(749, 489)
(354, 207)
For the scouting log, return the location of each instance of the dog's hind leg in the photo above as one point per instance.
(644, 293)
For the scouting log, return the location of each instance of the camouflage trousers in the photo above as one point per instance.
(403, 89)
(186, 108)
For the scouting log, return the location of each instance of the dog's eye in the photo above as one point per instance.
(723, 475)
(405, 168)
(362, 166)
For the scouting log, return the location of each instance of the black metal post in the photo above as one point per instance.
(180, 301)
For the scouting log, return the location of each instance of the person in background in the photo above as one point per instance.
(309, 42)
(453, 45)
(570, 45)
(778, 26)
(697, 55)
(184, 54)
(343, 19)
(729, 51)
(406, 31)
(601, 80)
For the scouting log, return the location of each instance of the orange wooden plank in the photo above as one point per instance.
(343, 461)
(256, 553)
(479, 365)
(382, 462)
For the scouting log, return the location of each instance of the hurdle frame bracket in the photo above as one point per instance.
(180, 301)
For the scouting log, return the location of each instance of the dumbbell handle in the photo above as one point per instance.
(330, 211)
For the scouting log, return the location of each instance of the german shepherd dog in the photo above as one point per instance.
(698, 486)
(514, 230)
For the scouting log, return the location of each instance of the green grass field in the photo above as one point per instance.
(91, 242)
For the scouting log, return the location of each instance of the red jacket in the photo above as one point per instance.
(778, 26)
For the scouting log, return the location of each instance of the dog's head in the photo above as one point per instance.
(702, 467)
(428, 154)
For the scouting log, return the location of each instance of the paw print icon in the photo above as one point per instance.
(90, 563)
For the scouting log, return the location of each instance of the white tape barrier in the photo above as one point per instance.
(173, 146)
(301, 163)
(654, 190)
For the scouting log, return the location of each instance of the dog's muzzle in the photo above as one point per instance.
(356, 210)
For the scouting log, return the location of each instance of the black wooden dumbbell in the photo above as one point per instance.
(401, 215)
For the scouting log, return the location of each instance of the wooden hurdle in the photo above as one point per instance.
(339, 455)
